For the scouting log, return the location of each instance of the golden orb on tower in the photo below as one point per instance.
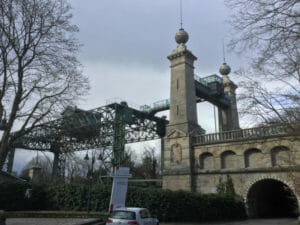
(224, 69)
(181, 36)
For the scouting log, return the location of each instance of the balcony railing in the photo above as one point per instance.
(244, 134)
(209, 79)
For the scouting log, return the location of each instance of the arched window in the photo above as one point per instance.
(206, 161)
(281, 156)
(228, 160)
(254, 158)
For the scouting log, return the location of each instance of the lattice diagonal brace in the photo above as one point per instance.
(111, 125)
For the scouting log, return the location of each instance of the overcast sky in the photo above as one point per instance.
(126, 42)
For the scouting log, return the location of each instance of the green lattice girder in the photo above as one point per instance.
(111, 125)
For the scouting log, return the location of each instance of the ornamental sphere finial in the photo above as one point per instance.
(224, 69)
(181, 36)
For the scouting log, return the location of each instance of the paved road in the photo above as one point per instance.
(246, 222)
(60, 221)
(47, 221)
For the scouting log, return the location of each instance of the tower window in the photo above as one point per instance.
(177, 84)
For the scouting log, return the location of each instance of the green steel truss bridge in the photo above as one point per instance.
(104, 126)
(110, 127)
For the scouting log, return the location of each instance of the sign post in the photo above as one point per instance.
(119, 188)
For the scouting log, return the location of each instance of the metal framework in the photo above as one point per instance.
(211, 89)
(208, 88)
(113, 125)
(110, 127)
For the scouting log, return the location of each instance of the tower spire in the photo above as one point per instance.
(224, 61)
(224, 69)
(181, 36)
(181, 23)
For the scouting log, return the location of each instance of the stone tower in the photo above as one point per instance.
(34, 172)
(183, 112)
(178, 153)
(228, 118)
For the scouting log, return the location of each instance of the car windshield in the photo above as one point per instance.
(126, 215)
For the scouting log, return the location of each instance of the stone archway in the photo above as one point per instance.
(271, 197)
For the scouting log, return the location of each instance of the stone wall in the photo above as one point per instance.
(177, 162)
(247, 162)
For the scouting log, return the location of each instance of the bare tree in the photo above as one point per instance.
(268, 101)
(150, 165)
(91, 167)
(76, 167)
(270, 32)
(130, 160)
(39, 71)
(270, 28)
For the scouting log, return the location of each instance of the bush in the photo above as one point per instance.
(13, 197)
(165, 204)
(186, 206)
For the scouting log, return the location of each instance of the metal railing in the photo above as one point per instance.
(243, 134)
(209, 79)
(162, 104)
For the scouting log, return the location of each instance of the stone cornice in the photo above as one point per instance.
(180, 51)
(182, 62)
(177, 172)
(248, 170)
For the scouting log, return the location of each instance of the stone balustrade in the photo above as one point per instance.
(244, 134)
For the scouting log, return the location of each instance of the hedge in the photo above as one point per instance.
(165, 204)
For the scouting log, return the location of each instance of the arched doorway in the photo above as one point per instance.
(271, 198)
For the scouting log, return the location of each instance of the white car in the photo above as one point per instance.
(134, 216)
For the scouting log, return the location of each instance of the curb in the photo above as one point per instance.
(54, 214)
(94, 222)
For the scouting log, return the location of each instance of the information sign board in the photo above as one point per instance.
(119, 188)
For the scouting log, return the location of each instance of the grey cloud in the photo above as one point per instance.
(142, 31)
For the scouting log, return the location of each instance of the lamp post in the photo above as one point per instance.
(90, 179)
(3, 124)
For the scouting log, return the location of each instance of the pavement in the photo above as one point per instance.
(52, 221)
(78, 221)
(284, 221)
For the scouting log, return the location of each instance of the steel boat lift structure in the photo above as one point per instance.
(109, 127)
